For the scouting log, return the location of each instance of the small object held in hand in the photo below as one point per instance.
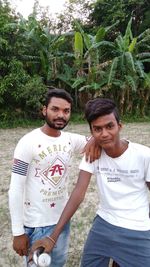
(44, 260)
(40, 258)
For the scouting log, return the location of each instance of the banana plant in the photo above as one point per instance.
(127, 67)
(90, 60)
(44, 48)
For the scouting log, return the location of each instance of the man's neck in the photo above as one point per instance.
(50, 131)
(118, 149)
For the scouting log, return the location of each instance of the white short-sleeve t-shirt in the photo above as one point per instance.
(122, 187)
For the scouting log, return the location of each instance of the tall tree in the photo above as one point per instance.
(109, 11)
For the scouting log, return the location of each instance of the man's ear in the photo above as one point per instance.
(44, 111)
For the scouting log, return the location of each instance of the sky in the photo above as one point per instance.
(25, 6)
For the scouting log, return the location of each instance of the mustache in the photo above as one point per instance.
(60, 119)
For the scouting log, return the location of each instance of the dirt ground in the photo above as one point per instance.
(81, 221)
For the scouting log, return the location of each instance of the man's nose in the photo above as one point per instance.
(104, 132)
(60, 114)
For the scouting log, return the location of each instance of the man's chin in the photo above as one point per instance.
(106, 146)
(59, 126)
(56, 126)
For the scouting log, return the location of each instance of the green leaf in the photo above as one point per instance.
(128, 35)
(77, 82)
(120, 43)
(122, 64)
(144, 34)
(113, 70)
(131, 82)
(130, 62)
(144, 55)
(100, 34)
(139, 68)
(147, 80)
(94, 46)
(132, 45)
(87, 40)
(85, 87)
(145, 60)
(108, 28)
(78, 45)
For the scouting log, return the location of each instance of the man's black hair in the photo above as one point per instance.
(59, 93)
(100, 107)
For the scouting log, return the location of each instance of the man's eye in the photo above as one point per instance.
(67, 111)
(97, 130)
(54, 109)
(109, 126)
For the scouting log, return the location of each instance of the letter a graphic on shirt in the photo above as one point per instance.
(55, 172)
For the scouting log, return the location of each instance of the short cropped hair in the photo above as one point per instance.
(59, 93)
(100, 107)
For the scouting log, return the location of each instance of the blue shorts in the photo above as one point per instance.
(129, 248)
(60, 251)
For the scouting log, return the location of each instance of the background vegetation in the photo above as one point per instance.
(95, 48)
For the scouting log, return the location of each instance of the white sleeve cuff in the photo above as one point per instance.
(17, 230)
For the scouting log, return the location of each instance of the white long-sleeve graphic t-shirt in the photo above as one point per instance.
(39, 182)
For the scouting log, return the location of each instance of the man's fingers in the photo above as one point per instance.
(98, 152)
(25, 252)
(86, 157)
(20, 252)
(49, 248)
(34, 247)
(45, 243)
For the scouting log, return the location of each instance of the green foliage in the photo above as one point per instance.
(78, 45)
(113, 70)
(32, 96)
(88, 61)
(109, 11)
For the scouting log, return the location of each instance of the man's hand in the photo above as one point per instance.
(92, 150)
(45, 243)
(21, 244)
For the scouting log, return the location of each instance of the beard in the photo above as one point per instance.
(55, 123)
